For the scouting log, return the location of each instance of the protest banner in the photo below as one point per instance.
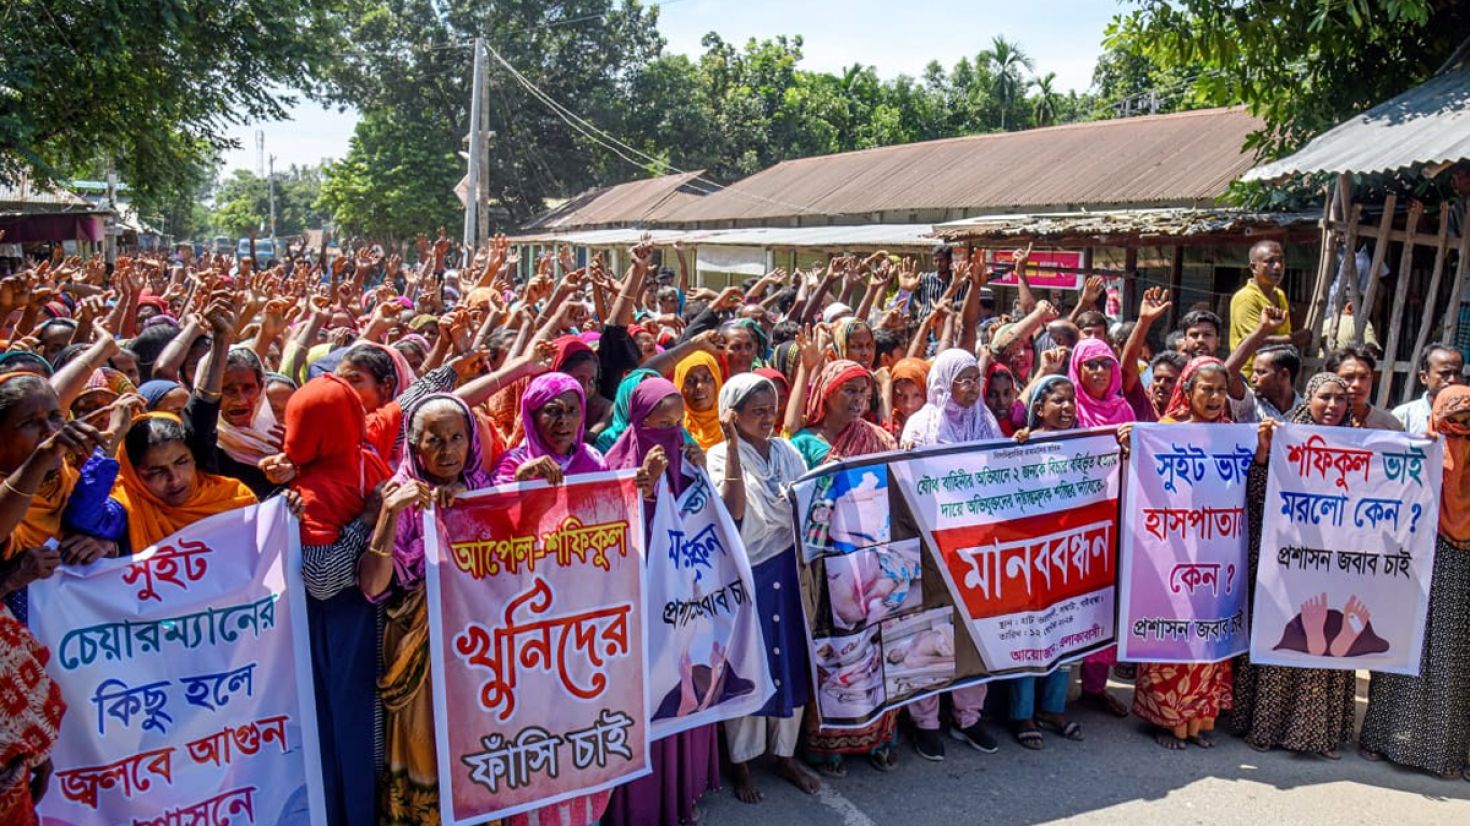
(1347, 549)
(706, 657)
(537, 644)
(1026, 536)
(882, 613)
(1185, 537)
(187, 672)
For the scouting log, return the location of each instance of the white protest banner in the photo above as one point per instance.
(1026, 537)
(1185, 540)
(706, 656)
(187, 674)
(1347, 549)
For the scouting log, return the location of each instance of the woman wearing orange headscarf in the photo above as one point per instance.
(1424, 721)
(699, 380)
(155, 489)
(902, 391)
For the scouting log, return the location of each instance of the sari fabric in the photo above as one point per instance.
(624, 397)
(943, 422)
(33, 709)
(1454, 502)
(860, 437)
(635, 443)
(1112, 408)
(582, 459)
(326, 438)
(703, 425)
(150, 519)
(1178, 409)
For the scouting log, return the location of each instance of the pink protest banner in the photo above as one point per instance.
(1039, 280)
(537, 644)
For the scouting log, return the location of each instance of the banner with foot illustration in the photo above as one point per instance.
(1347, 549)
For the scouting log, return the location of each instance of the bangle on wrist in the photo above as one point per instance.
(388, 554)
(15, 490)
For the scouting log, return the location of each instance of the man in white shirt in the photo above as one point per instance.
(1439, 367)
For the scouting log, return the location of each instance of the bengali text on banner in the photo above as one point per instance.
(537, 645)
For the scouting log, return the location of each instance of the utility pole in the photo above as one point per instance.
(271, 180)
(109, 240)
(477, 150)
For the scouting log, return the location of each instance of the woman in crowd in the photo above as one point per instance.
(1424, 721)
(164, 396)
(1183, 700)
(903, 389)
(1299, 709)
(745, 346)
(620, 409)
(755, 470)
(1001, 394)
(852, 339)
(29, 723)
(699, 379)
(1041, 702)
(685, 765)
(1097, 380)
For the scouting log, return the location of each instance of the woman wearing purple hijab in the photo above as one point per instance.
(553, 418)
(685, 765)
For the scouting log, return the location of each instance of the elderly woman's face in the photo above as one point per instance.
(755, 418)
(558, 421)
(443, 444)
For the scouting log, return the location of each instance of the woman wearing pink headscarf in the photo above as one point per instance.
(1096, 374)
(553, 415)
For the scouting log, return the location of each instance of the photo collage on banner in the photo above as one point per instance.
(187, 672)
(1026, 536)
(1185, 540)
(707, 659)
(1347, 550)
(537, 641)
(881, 623)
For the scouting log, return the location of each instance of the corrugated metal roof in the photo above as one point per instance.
(1126, 225)
(25, 197)
(1183, 159)
(634, 202)
(1429, 124)
(875, 236)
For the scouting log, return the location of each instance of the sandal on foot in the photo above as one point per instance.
(836, 769)
(1202, 741)
(1330, 754)
(1169, 741)
(1070, 729)
(1030, 738)
(1370, 755)
(1258, 747)
(884, 760)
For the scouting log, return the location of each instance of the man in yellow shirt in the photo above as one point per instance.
(1268, 267)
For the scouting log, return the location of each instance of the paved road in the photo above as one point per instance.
(1117, 775)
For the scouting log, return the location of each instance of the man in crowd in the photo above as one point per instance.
(1273, 382)
(1202, 333)
(1439, 367)
(1263, 289)
(1356, 366)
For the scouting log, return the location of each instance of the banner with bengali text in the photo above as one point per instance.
(707, 659)
(187, 674)
(1347, 549)
(1185, 538)
(1027, 538)
(537, 644)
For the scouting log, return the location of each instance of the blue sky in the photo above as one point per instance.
(1063, 36)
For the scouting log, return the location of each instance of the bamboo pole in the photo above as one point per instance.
(1363, 312)
(1422, 339)
(1462, 268)
(1400, 300)
(1326, 266)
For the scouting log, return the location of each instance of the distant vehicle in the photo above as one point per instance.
(221, 244)
(265, 250)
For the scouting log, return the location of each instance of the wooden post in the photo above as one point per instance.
(1326, 267)
(1400, 299)
(1176, 280)
(1462, 268)
(1441, 247)
(1363, 311)
(1349, 275)
(1130, 280)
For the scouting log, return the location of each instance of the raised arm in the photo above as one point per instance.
(1271, 320)
(1155, 305)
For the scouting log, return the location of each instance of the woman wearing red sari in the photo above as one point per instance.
(1183, 700)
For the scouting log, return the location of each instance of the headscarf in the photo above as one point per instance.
(777, 378)
(408, 537)
(43, 367)
(624, 397)
(544, 388)
(157, 303)
(785, 358)
(703, 425)
(842, 331)
(943, 422)
(1302, 413)
(1112, 408)
(248, 445)
(326, 438)
(107, 384)
(630, 448)
(757, 334)
(1454, 496)
(150, 519)
(766, 528)
(282, 378)
(1038, 395)
(566, 347)
(154, 390)
(419, 322)
(835, 311)
(42, 520)
(913, 369)
(860, 437)
(1179, 408)
(1017, 417)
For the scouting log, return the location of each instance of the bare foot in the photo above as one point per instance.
(1169, 741)
(1203, 740)
(1314, 618)
(1354, 620)
(787, 769)
(745, 788)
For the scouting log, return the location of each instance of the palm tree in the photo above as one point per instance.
(1047, 100)
(1006, 61)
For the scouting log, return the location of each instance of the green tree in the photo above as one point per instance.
(1302, 65)
(378, 190)
(1007, 62)
(153, 86)
(1047, 101)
